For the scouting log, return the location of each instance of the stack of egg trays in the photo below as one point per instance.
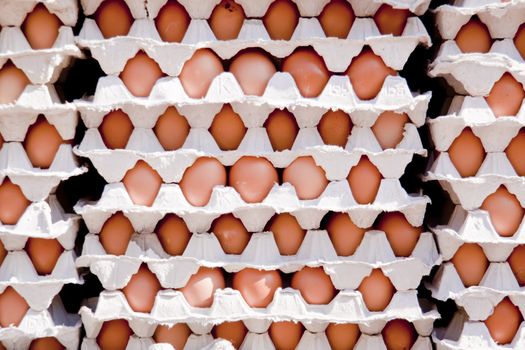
(474, 74)
(204, 248)
(44, 217)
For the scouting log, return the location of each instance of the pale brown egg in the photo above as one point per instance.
(314, 284)
(12, 307)
(516, 262)
(171, 129)
(377, 290)
(48, 343)
(231, 233)
(308, 179)
(287, 232)
(281, 19)
(335, 127)
(364, 179)
(367, 73)
(141, 290)
(173, 234)
(228, 129)
(116, 129)
(308, 70)
(116, 234)
(282, 129)
(44, 254)
(172, 22)
(337, 19)
(253, 69)
(13, 81)
(257, 287)
(13, 203)
(176, 335)
(506, 96)
(42, 143)
(142, 183)
(140, 74)
(474, 36)
(234, 332)
(199, 71)
(390, 20)
(344, 234)
(253, 178)
(389, 128)
(505, 211)
(41, 28)
(200, 178)
(114, 335)
(515, 152)
(3, 253)
(286, 335)
(470, 263)
(519, 40)
(226, 20)
(399, 335)
(342, 336)
(201, 286)
(113, 18)
(467, 153)
(504, 322)
(401, 235)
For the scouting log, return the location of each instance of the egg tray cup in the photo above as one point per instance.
(14, 12)
(194, 342)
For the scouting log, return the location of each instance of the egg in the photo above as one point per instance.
(389, 128)
(515, 154)
(1, 141)
(13, 203)
(113, 18)
(44, 254)
(142, 184)
(114, 335)
(173, 234)
(140, 74)
(335, 128)
(48, 343)
(506, 96)
(41, 28)
(116, 234)
(314, 284)
(13, 81)
(377, 290)
(342, 336)
(467, 153)
(257, 287)
(171, 129)
(253, 178)
(282, 129)
(308, 179)
(253, 69)
(399, 335)
(2, 347)
(504, 322)
(308, 71)
(337, 19)
(390, 20)
(287, 232)
(172, 22)
(470, 263)
(231, 233)
(141, 290)
(200, 178)
(516, 261)
(116, 129)
(3, 253)
(344, 234)
(42, 143)
(12, 307)
(201, 286)
(364, 180)
(280, 19)
(474, 36)
(226, 20)
(401, 235)
(367, 73)
(519, 40)
(286, 335)
(234, 332)
(176, 335)
(199, 71)
(505, 211)
(227, 129)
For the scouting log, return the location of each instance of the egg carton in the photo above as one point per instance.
(14, 12)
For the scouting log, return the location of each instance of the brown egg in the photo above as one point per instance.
(399, 335)
(515, 154)
(226, 20)
(517, 263)
(140, 74)
(234, 332)
(344, 234)
(308, 179)
(173, 234)
(506, 96)
(474, 37)
(48, 343)
(389, 128)
(172, 22)
(390, 20)
(401, 235)
(113, 18)
(142, 184)
(504, 322)
(364, 180)
(314, 284)
(141, 290)
(116, 234)
(505, 211)
(367, 73)
(467, 153)
(3, 253)
(2, 347)
(257, 287)
(227, 129)
(13, 81)
(287, 232)
(337, 19)
(42, 143)
(199, 71)
(171, 129)
(44, 254)
(177, 335)
(308, 70)
(377, 290)
(114, 335)
(12, 307)
(519, 40)
(470, 263)
(41, 28)
(1, 141)
(253, 178)
(253, 69)
(200, 178)
(116, 129)
(282, 129)
(13, 203)
(200, 288)
(231, 233)
(342, 336)
(335, 127)
(281, 19)
(286, 335)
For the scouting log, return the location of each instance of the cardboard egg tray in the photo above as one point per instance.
(14, 11)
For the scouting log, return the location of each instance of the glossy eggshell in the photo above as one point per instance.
(377, 290)
(282, 129)
(516, 261)
(116, 234)
(142, 183)
(253, 69)
(116, 129)
(3, 253)
(280, 19)
(342, 336)
(113, 18)
(177, 335)
(467, 153)
(234, 332)
(227, 129)
(13, 81)
(337, 19)
(44, 254)
(257, 287)
(287, 232)
(506, 96)
(253, 178)
(505, 211)
(286, 335)
(200, 178)
(42, 143)
(515, 152)
(470, 263)
(201, 286)
(48, 343)
(401, 235)
(114, 335)
(12, 307)
(474, 36)
(308, 71)
(13, 203)
(231, 233)
(140, 74)
(389, 128)
(141, 290)
(390, 20)
(172, 22)
(364, 179)
(226, 20)
(41, 28)
(173, 234)
(519, 40)
(344, 234)
(504, 322)
(199, 71)
(314, 284)
(308, 179)
(171, 129)
(399, 335)
(335, 127)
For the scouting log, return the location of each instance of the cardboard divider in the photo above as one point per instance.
(14, 11)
